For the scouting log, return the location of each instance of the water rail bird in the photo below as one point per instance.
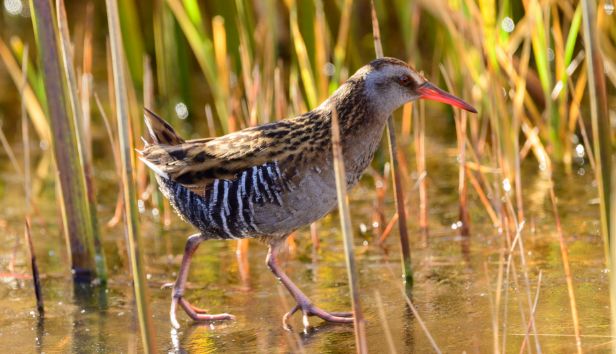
(265, 182)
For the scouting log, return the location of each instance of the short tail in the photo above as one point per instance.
(160, 131)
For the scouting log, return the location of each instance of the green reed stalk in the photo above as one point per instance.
(407, 271)
(340, 49)
(303, 59)
(76, 215)
(131, 33)
(34, 105)
(347, 233)
(34, 76)
(602, 146)
(128, 183)
(203, 49)
(77, 110)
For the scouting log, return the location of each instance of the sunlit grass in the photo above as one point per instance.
(236, 64)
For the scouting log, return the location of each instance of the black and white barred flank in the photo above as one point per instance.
(228, 207)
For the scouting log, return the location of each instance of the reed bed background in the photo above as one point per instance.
(540, 73)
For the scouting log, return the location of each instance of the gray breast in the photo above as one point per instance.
(311, 197)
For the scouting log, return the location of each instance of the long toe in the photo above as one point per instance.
(311, 310)
(198, 309)
(335, 317)
(198, 314)
(341, 314)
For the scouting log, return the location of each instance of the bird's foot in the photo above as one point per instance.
(194, 312)
(309, 309)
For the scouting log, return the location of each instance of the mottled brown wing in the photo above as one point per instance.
(197, 164)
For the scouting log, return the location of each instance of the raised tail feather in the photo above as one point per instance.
(160, 131)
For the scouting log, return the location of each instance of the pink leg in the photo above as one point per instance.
(303, 302)
(193, 312)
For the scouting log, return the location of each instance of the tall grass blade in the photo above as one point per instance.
(340, 50)
(86, 162)
(567, 269)
(599, 115)
(407, 271)
(305, 69)
(128, 183)
(612, 258)
(383, 319)
(25, 133)
(347, 233)
(131, 33)
(602, 145)
(203, 49)
(76, 214)
(33, 105)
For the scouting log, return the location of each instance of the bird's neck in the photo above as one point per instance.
(361, 125)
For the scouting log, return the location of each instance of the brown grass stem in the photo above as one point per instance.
(407, 269)
(519, 226)
(460, 119)
(420, 157)
(384, 322)
(602, 134)
(347, 233)
(35, 272)
(128, 183)
(567, 269)
(483, 198)
(25, 133)
(388, 228)
(493, 311)
(533, 311)
(612, 261)
(9, 152)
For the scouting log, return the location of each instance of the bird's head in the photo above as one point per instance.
(390, 83)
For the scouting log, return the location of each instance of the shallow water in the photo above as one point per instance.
(451, 292)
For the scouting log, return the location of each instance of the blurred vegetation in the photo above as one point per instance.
(218, 66)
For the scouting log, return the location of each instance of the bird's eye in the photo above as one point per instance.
(405, 80)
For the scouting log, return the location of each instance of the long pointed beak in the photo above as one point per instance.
(428, 91)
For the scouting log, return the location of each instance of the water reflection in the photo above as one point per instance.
(89, 317)
(451, 291)
(40, 334)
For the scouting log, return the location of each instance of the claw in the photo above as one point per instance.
(174, 322)
(167, 285)
(285, 318)
(305, 322)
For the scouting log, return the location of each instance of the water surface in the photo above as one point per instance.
(452, 291)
